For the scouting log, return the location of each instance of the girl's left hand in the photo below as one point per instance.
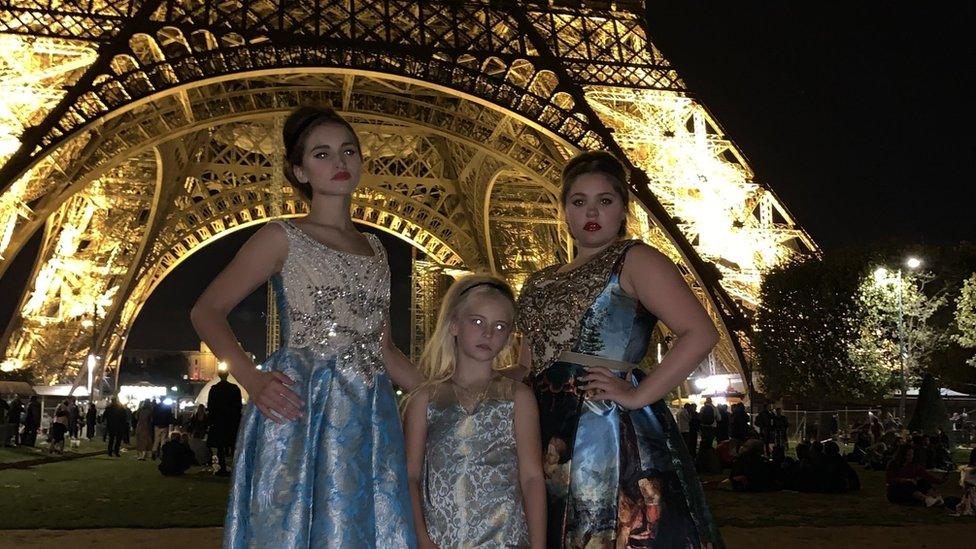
(601, 384)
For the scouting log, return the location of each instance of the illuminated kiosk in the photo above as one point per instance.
(133, 134)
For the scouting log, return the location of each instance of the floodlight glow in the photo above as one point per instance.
(168, 401)
(913, 262)
(880, 275)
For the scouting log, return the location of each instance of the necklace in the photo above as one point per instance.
(479, 397)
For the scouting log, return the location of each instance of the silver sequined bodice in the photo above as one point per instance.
(335, 303)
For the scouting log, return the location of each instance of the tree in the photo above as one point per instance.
(930, 411)
(895, 330)
(804, 328)
(966, 316)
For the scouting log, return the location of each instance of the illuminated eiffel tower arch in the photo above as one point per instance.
(133, 133)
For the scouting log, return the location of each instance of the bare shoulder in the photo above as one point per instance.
(271, 234)
(418, 399)
(642, 256)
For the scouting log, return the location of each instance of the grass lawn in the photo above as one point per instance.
(867, 507)
(100, 492)
(28, 453)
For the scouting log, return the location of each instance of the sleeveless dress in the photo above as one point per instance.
(614, 478)
(470, 487)
(336, 477)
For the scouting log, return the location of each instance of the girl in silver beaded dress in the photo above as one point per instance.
(473, 451)
(320, 459)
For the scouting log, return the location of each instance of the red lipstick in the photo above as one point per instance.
(592, 226)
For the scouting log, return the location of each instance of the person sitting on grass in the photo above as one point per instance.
(176, 456)
(967, 479)
(809, 472)
(940, 453)
(878, 456)
(751, 471)
(784, 467)
(862, 444)
(837, 475)
(908, 481)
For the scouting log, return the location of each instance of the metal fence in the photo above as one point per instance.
(816, 424)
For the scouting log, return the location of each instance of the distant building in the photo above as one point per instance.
(198, 366)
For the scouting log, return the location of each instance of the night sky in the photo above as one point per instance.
(859, 118)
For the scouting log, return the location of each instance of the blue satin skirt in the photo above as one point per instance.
(334, 478)
(616, 478)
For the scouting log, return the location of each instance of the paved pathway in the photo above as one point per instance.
(41, 459)
(946, 536)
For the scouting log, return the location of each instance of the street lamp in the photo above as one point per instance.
(91, 373)
(881, 277)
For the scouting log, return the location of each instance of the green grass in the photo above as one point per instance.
(102, 492)
(961, 454)
(27, 453)
(869, 507)
(99, 492)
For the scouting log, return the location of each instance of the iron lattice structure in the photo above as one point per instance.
(133, 133)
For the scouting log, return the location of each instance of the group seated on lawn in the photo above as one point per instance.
(914, 466)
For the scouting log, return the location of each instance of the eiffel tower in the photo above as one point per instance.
(134, 133)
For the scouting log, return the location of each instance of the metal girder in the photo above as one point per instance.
(467, 112)
(474, 47)
(717, 297)
(220, 104)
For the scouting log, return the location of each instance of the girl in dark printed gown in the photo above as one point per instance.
(617, 472)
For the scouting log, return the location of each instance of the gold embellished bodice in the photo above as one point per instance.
(552, 303)
(334, 302)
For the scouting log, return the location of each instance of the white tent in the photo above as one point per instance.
(942, 392)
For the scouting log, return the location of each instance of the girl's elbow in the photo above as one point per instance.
(202, 312)
(197, 314)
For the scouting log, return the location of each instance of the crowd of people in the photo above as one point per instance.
(755, 454)
(20, 421)
(177, 441)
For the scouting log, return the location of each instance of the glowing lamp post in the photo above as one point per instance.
(881, 277)
(92, 360)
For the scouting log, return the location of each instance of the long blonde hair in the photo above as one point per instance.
(439, 359)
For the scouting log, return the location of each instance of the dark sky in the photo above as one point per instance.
(859, 117)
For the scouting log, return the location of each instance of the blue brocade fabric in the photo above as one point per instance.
(337, 476)
(614, 478)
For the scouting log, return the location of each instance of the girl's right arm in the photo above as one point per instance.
(532, 481)
(259, 258)
(415, 435)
